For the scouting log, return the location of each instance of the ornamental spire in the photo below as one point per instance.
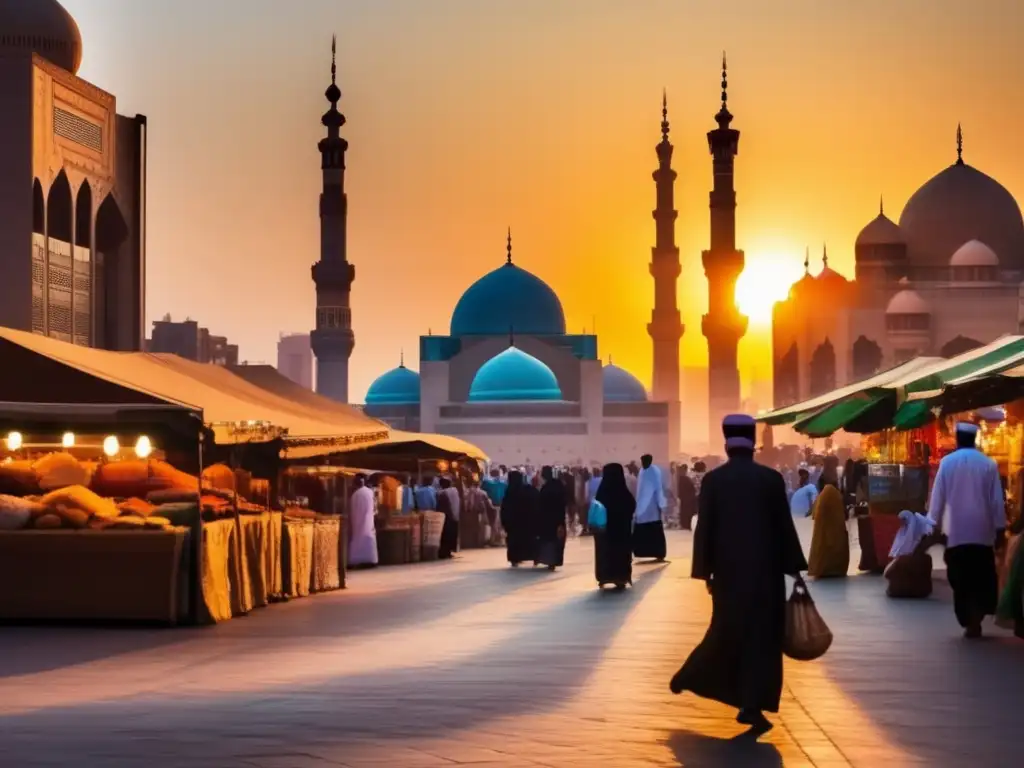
(807, 260)
(508, 247)
(724, 117)
(401, 358)
(334, 59)
(664, 115)
(959, 145)
(881, 206)
(824, 255)
(511, 336)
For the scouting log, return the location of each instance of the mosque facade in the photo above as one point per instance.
(73, 190)
(510, 379)
(944, 279)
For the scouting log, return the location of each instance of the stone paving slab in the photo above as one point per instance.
(471, 663)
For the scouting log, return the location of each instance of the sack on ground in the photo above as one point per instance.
(807, 636)
(909, 576)
(597, 515)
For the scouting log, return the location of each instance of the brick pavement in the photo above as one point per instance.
(474, 664)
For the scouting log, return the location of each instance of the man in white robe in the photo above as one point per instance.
(967, 505)
(362, 543)
(648, 528)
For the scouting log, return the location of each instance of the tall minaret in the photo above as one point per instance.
(723, 326)
(333, 340)
(666, 328)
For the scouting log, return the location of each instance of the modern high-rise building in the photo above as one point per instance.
(295, 358)
(190, 340)
(72, 189)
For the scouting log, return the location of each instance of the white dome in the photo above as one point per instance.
(907, 302)
(974, 253)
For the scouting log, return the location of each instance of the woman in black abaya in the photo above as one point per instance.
(551, 524)
(613, 545)
(519, 510)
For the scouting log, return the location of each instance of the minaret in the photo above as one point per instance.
(332, 339)
(666, 328)
(723, 326)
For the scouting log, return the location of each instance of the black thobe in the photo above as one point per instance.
(450, 532)
(687, 501)
(971, 570)
(613, 545)
(551, 524)
(745, 544)
(519, 511)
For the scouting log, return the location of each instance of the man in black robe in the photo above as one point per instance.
(551, 524)
(687, 493)
(744, 546)
(519, 511)
(448, 501)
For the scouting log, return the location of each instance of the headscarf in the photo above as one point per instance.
(913, 527)
(613, 492)
(515, 480)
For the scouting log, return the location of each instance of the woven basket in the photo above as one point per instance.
(433, 524)
(393, 546)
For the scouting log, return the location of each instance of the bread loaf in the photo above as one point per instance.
(59, 470)
(82, 498)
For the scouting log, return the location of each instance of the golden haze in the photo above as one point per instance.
(466, 117)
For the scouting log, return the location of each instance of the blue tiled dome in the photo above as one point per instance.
(514, 375)
(508, 298)
(399, 386)
(621, 386)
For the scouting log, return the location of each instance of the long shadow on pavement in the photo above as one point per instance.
(904, 665)
(695, 750)
(545, 661)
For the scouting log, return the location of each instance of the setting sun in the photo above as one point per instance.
(765, 280)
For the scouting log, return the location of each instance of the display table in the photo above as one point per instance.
(297, 557)
(218, 563)
(90, 575)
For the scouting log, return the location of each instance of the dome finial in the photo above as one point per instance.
(807, 260)
(824, 255)
(959, 145)
(401, 358)
(610, 361)
(664, 115)
(881, 206)
(334, 58)
(725, 82)
(508, 247)
(511, 336)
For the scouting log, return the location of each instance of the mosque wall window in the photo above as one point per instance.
(787, 378)
(333, 317)
(823, 369)
(908, 323)
(959, 346)
(867, 358)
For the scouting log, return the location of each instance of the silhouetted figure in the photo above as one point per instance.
(519, 511)
(744, 546)
(551, 527)
(686, 490)
(613, 547)
(448, 502)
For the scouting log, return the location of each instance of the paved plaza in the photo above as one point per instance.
(471, 663)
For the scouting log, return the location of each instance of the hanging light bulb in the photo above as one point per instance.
(13, 441)
(143, 447)
(110, 446)
(68, 441)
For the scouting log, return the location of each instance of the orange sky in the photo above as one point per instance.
(466, 117)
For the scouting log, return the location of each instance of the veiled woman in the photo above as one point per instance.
(830, 544)
(613, 546)
(519, 510)
(551, 522)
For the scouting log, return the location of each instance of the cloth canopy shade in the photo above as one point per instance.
(402, 450)
(235, 410)
(794, 413)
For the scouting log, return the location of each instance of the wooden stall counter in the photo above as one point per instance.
(91, 575)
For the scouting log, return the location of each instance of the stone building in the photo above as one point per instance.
(943, 280)
(72, 189)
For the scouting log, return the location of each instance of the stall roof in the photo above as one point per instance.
(400, 445)
(1002, 354)
(236, 410)
(795, 412)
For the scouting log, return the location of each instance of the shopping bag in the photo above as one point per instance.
(807, 636)
(597, 515)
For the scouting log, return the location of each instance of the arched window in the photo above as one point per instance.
(959, 346)
(83, 216)
(38, 209)
(867, 358)
(58, 209)
(823, 369)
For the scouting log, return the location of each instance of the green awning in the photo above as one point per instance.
(834, 417)
(913, 414)
(1000, 355)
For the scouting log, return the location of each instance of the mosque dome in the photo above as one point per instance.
(399, 386)
(508, 298)
(957, 205)
(43, 27)
(907, 302)
(881, 230)
(974, 253)
(621, 386)
(514, 375)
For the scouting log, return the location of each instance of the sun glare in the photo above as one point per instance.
(765, 280)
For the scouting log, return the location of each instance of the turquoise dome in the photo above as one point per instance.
(399, 386)
(514, 375)
(621, 386)
(509, 298)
